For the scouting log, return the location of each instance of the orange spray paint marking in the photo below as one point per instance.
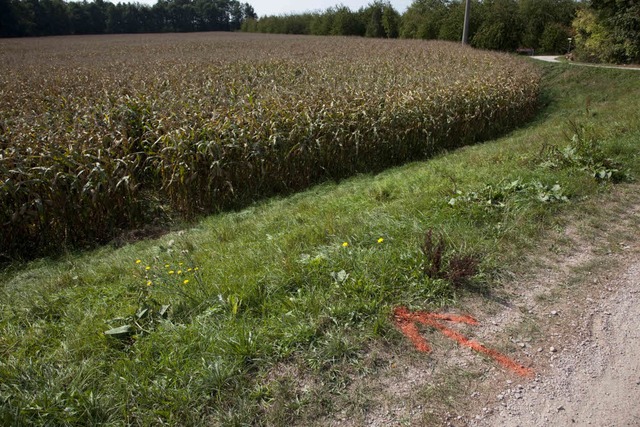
(406, 322)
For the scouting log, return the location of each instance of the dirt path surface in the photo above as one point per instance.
(546, 58)
(587, 309)
(597, 381)
(554, 58)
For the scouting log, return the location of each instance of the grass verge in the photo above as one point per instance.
(266, 316)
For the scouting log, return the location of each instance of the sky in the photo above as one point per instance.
(270, 7)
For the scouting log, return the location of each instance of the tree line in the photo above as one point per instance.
(495, 24)
(377, 20)
(20, 18)
(596, 30)
(603, 30)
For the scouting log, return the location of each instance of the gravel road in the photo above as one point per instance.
(547, 58)
(597, 381)
(588, 363)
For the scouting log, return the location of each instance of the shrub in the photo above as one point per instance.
(555, 38)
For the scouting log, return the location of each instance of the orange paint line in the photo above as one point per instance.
(406, 322)
(423, 316)
(410, 330)
(474, 345)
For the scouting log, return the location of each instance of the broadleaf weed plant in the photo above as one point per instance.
(493, 203)
(584, 152)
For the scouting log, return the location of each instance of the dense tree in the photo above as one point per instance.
(552, 17)
(495, 24)
(609, 30)
(380, 19)
(8, 18)
(79, 18)
(390, 21)
(451, 22)
(321, 24)
(542, 25)
(423, 18)
(54, 17)
(346, 23)
(373, 17)
(501, 27)
(555, 38)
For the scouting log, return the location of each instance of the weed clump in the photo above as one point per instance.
(456, 268)
(584, 152)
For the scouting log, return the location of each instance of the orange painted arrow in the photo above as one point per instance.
(406, 321)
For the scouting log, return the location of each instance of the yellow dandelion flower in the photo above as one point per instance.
(185, 281)
(189, 269)
(180, 263)
(380, 240)
(148, 267)
(196, 269)
(171, 271)
(166, 266)
(179, 271)
(138, 261)
(149, 283)
(345, 244)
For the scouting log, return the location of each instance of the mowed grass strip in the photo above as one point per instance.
(104, 134)
(266, 316)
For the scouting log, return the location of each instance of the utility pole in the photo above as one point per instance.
(467, 17)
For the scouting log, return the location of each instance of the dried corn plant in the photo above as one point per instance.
(97, 134)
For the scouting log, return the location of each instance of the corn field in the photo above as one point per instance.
(110, 133)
